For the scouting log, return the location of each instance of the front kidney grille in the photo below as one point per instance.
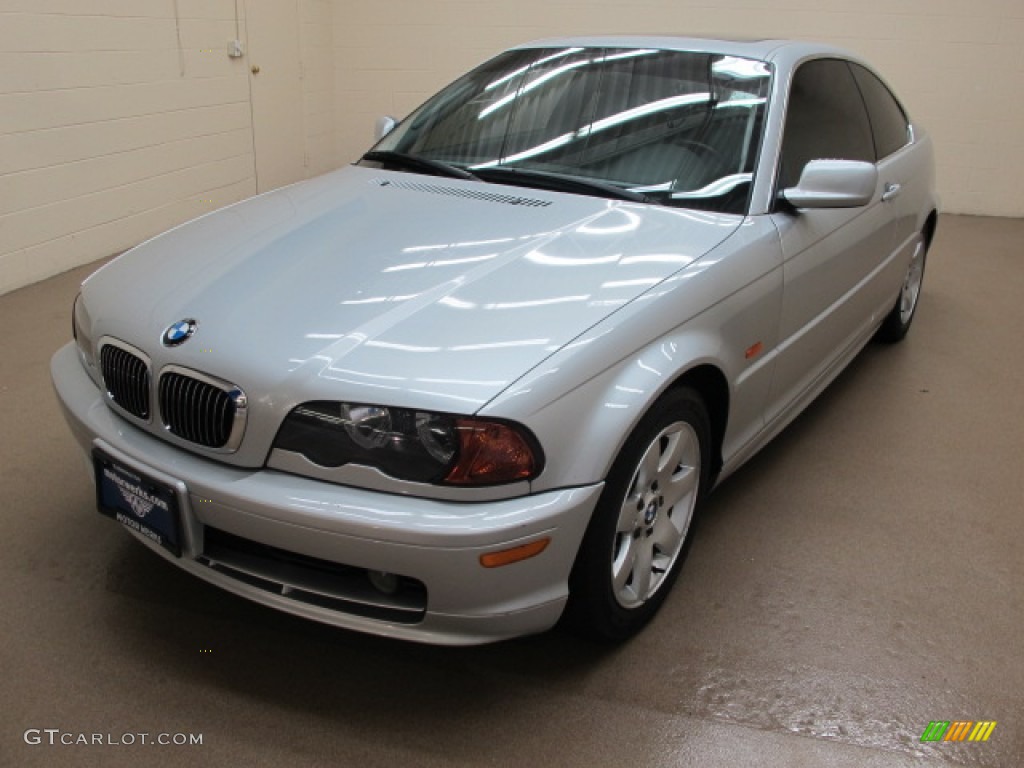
(190, 405)
(198, 411)
(126, 377)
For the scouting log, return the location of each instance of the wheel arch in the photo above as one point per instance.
(710, 383)
(931, 223)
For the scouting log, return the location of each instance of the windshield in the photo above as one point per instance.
(675, 127)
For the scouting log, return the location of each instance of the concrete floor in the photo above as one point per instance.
(862, 576)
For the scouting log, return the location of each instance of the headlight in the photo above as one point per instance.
(418, 446)
(81, 329)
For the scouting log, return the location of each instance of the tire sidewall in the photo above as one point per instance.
(893, 328)
(591, 591)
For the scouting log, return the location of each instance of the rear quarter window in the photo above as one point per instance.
(888, 120)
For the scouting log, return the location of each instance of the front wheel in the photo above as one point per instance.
(636, 542)
(897, 322)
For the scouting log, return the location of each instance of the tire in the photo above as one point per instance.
(638, 537)
(897, 322)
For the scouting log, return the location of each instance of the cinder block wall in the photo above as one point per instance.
(108, 133)
(316, 41)
(122, 118)
(958, 65)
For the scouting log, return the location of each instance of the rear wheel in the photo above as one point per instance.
(897, 322)
(637, 539)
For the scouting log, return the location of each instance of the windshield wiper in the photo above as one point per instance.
(416, 163)
(557, 182)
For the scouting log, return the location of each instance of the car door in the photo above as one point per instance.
(898, 166)
(832, 258)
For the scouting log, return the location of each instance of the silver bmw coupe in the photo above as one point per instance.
(484, 376)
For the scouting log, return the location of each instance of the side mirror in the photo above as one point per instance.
(383, 127)
(834, 184)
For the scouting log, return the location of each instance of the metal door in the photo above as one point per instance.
(275, 80)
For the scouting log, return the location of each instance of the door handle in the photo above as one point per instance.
(891, 192)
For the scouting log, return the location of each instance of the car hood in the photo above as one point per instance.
(387, 287)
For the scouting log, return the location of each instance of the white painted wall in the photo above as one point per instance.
(111, 132)
(316, 39)
(121, 118)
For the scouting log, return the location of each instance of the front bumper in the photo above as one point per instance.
(438, 543)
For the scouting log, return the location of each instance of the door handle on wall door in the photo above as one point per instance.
(891, 192)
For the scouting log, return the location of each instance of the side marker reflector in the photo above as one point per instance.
(753, 351)
(515, 554)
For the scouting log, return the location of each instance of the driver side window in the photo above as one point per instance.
(826, 120)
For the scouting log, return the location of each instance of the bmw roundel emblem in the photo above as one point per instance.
(179, 332)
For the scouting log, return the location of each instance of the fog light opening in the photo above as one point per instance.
(515, 554)
(383, 581)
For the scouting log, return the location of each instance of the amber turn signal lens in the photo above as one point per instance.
(514, 555)
(490, 453)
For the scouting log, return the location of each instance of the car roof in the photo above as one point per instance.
(762, 50)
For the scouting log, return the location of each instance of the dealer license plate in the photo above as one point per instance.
(138, 502)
